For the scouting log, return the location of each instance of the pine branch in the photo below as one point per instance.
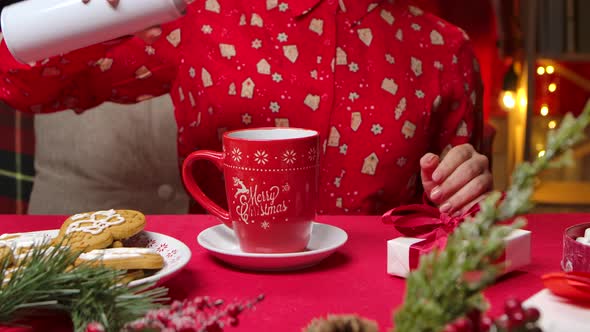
(46, 280)
(448, 283)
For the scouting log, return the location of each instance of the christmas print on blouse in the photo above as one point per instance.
(382, 81)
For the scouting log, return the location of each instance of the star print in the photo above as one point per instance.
(353, 96)
(265, 224)
(420, 94)
(343, 149)
(277, 77)
(192, 73)
(314, 74)
(337, 182)
(353, 67)
(256, 43)
(455, 60)
(274, 107)
(416, 27)
(206, 29)
(150, 50)
(438, 65)
(283, 7)
(282, 37)
(377, 129)
(246, 118)
(389, 58)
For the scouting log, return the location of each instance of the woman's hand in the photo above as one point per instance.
(457, 182)
(149, 35)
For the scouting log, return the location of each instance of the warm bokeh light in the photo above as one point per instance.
(539, 146)
(552, 87)
(508, 100)
(544, 110)
(549, 69)
(552, 124)
(540, 70)
(541, 153)
(523, 102)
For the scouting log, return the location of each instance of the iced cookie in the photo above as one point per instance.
(98, 230)
(124, 258)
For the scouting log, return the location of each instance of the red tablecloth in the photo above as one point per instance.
(353, 280)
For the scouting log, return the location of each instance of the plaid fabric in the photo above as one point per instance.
(16, 160)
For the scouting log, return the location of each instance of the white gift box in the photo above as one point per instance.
(403, 254)
(557, 314)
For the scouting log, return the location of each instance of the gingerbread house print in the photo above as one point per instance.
(355, 121)
(247, 88)
(263, 67)
(370, 164)
(334, 138)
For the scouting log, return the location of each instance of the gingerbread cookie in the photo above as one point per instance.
(98, 230)
(124, 258)
(132, 275)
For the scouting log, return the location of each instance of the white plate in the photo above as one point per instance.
(175, 253)
(221, 242)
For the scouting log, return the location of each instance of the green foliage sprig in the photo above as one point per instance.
(46, 280)
(448, 284)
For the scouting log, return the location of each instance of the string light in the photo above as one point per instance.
(549, 69)
(544, 110)
(508, 100)
(552, 87)
(540, 70)
(552, 124)
(541, 153)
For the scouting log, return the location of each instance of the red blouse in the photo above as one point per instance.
(382, 81)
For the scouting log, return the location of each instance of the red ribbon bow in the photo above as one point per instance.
(426, 222)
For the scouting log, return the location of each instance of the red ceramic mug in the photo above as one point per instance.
(271, 184)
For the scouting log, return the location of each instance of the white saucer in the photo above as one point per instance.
(221, 242)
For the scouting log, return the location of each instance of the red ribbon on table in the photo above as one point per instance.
(425, 222)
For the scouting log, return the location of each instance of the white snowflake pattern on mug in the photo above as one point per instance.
(236, 155)
(289, 157)
(261, 157)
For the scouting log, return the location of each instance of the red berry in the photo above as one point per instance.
(213, 327)
(450, 328)
(163, 317)
(516, 318)
(511, 305)
(463, 324)
(531, 314)
(94, 327)
(486, 323)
